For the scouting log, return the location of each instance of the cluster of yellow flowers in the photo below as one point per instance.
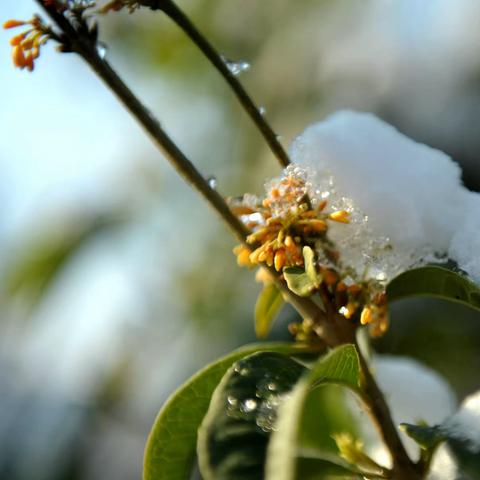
(283, 225)
(26, 45)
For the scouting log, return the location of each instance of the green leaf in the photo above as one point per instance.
(342, 367)
(327, 411)
(426, 437)
(310, 270)
(437, 282)
(298, 281)
(267, 308)
(170, 449)
(233, 437)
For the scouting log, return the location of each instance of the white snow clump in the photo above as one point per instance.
(465, 424)
(407, 202)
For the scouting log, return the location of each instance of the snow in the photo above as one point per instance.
(409, 388)
(443, 466)
(465, 424)
(465, 243)
(407, 200)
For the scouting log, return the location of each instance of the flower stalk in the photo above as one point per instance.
(171, 9)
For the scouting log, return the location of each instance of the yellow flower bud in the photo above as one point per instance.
(340, 216)
(18, 57)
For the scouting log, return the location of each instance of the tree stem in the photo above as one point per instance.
(177, 15)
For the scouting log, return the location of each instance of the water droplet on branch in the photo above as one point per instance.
(236, 68)
(212, 182)
(101, 50)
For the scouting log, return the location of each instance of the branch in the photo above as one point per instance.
(87, 49)
(403, 467)
(174, 12)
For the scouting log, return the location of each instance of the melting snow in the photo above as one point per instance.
(407, 200)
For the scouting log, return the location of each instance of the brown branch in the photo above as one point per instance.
(177, 15)
(87, 49)
(403, 467)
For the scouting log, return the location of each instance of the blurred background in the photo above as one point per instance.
(116, 281)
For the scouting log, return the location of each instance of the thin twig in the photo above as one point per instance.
(87, 49)
(403, 467)
(179, 17)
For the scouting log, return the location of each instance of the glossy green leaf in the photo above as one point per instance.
(298, 281)
(437, 282)
(268, 306)
(170, 449)
(233, 437)
(328, 410)
(342, 367)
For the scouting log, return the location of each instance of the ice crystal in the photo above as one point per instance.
(406, 200)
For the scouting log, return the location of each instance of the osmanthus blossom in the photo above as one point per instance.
(369, 203)
(400, 204)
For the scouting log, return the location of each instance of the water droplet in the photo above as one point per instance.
(381, 276)
(256, 217)
(232, 400)
(262, 110)
(272, 387)
(279, 138)
(101, 50)
(212, 182)
(249, 405)
(236, 68)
